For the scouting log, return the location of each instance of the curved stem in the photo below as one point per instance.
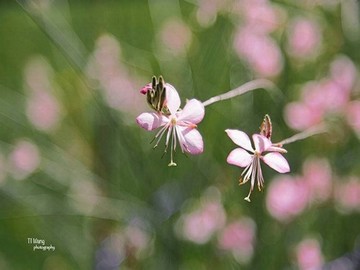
(246, 87)
(321, 128)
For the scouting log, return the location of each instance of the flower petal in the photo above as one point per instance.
(240, 138)
(277, 162)
(150, 121)
(172, 98)
(239, 157)
(191, 140)
(261, 143)
(193, 112)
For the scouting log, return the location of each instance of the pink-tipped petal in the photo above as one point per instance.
(145, 89)
(193, 143)
(172, 99)
(193, 112)
(239, 157)
(277, 162)
(150, 121)
(261, 143)
(240, 138)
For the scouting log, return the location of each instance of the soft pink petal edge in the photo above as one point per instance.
(172, 98)
(239, 157)
(261, 143)
(193, 140)
(151, 121)
(240, 138)
(277, 162)
(193, 112)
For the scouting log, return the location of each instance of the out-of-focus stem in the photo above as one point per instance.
(321, 128)
(246, 87)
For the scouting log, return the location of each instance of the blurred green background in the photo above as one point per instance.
(77, 172)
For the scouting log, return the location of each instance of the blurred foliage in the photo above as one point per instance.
(99, 193)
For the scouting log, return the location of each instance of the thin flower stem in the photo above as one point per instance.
(246, 87)
(305, 134)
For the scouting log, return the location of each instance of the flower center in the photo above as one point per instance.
(173, 121)
(257, 154)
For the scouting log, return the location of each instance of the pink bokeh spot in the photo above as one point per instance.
(309, 255)
(304, 38)
(300, 116)
(317, 176)
(343, 72)
(260, 51)
(347, 195)
(114, 79)
(352, 114)
(287, 197)
(200, 225)
(260, 15)
(175, 35)
(238, 237)
(43, 110)
(24, 159)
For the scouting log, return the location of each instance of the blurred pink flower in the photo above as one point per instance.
(352, 114)
(207, 11)
(241, 157)
(43, 110)
(336, 97)
(200, 225)
(313, 94)
(300, 116)
(180, 124)
(309, 255)
(343, 72)
(260, 52)
(260, 15)
(304, 38)
(175, 35)
(115, 80)
(24, 159)
(317, 176)
(347, 195)
(238, 237)
(287, 197)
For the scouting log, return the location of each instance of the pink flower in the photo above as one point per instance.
(304, 38)
(242, 158)
(180, 125)
(24, 159)
(317, 176)
(200, 225)
(301, 116)
(260, 51)
(347, 195)
(343, 72)
(175, 37)
(309, 255)
(287, 197)
(353, 115)
(239, 237)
